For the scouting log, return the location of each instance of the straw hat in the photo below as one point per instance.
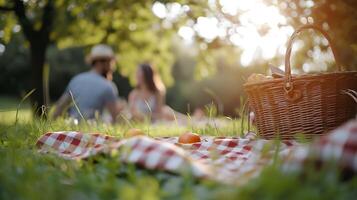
(100, 51)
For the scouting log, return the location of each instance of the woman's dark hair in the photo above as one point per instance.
(150, 79)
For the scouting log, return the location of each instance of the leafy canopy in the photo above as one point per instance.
(130, 27)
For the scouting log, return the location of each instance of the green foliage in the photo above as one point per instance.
(6, 25)
(15, 69)
(63, 65)
(136, 34)
(336, 17)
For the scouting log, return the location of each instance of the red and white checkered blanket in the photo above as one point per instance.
(339, 146)
(227, 159)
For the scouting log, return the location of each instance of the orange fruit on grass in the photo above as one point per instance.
(189, 138)
(133, 132)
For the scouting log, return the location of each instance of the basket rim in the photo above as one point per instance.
(300, 76)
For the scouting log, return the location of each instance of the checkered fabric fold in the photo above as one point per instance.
(230, 160)
(226, 159)
(340, 145)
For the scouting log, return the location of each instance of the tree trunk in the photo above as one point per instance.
(39, 41)
(37, 60)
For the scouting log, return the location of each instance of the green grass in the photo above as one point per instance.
(26, 174)
(9, 107)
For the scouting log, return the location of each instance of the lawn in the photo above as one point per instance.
(26, 174)
(8, 108)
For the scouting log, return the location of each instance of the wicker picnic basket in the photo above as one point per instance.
(309, 104)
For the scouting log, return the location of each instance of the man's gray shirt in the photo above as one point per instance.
(91, 93)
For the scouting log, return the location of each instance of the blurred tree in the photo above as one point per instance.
(337, 17)
(141, 30)
(129, 26)
(37, 31)
(222, 20)
(63, 64)
(14, 67)
(224, 88)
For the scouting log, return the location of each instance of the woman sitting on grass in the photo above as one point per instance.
(148, 98)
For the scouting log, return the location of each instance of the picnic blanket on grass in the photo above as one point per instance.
(231, 160)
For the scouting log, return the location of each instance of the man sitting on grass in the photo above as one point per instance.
(90, 92)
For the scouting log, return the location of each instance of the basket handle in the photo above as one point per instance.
(288, 82)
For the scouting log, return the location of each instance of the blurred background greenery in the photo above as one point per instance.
(203, 49)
